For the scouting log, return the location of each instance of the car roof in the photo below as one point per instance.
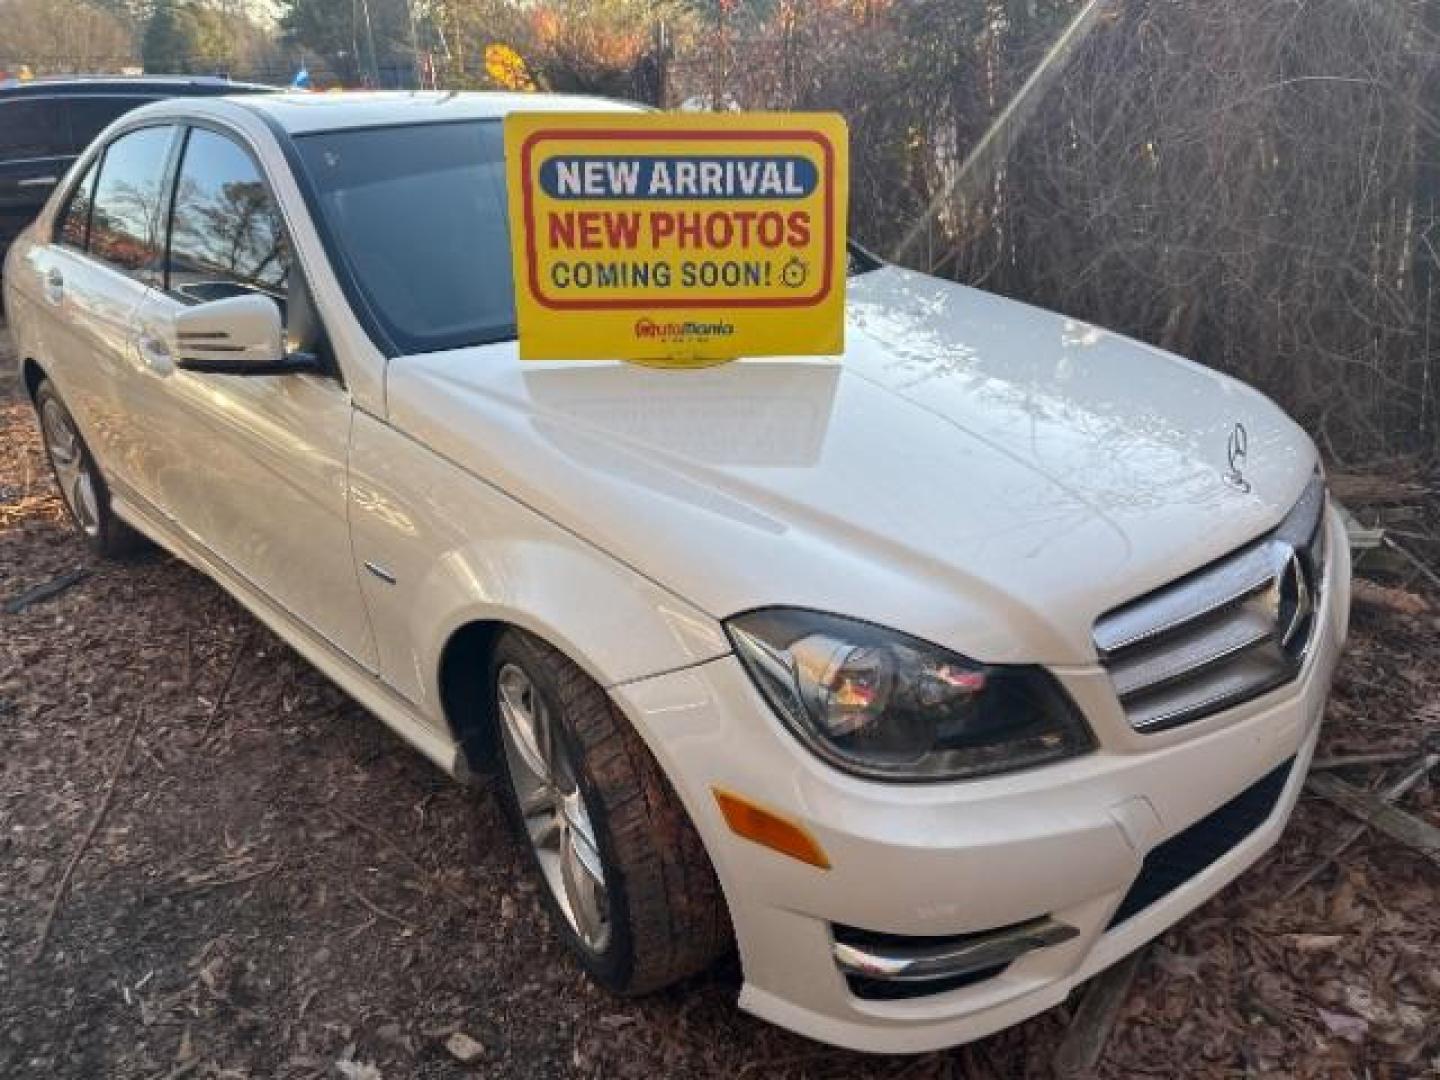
(299, 113)
(138, 85)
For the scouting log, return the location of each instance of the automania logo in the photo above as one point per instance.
(647, 329)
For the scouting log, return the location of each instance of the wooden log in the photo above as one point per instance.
(1094, 1021)
(1396, 791)
(1384, 598)
(1420, 836)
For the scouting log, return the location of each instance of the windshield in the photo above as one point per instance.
(417, 215)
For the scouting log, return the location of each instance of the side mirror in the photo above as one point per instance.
(240, 335)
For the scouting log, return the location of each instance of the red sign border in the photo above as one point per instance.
(702, 135)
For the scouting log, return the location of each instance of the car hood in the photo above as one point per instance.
(974, 471)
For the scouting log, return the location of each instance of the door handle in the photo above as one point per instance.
(54, 285)
(37, 181)
(156, 354)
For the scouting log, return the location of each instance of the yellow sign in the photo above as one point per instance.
(679, 239)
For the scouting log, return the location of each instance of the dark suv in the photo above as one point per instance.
(45, 124)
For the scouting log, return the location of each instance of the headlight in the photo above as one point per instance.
(882, 704)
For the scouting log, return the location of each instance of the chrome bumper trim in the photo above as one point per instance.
(951, 958)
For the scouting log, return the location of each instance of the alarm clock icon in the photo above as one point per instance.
(794, 273)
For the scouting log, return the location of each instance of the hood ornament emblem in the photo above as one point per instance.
(1238, 451)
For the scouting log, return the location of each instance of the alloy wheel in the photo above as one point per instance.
(556, 818)
(72, 467)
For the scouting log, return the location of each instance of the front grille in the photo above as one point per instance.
(1186, 854)
(1226, 633)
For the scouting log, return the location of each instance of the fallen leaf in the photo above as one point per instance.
(1177, 965)
(1350, 1028)
(464, 1049)
(1309, 943)
(358, 1070)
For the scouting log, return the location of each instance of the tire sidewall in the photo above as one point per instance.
(612, 967)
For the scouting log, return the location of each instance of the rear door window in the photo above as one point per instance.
(32, 129)
(123, 222)
(226, 233)
(74, 230)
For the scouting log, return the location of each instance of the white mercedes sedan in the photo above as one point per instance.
(935, 677)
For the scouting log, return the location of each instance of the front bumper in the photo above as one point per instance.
(1065, 842)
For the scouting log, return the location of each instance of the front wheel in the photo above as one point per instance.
(627, 880)
(83, 489)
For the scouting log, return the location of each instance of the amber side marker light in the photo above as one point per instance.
(769, 829)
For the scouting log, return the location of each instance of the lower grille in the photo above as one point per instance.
(868, 989)
(1189, 853)
(1223, 635)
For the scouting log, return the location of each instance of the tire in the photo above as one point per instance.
(664, 916)
(82, 487)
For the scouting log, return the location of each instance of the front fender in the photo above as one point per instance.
(437, 549)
